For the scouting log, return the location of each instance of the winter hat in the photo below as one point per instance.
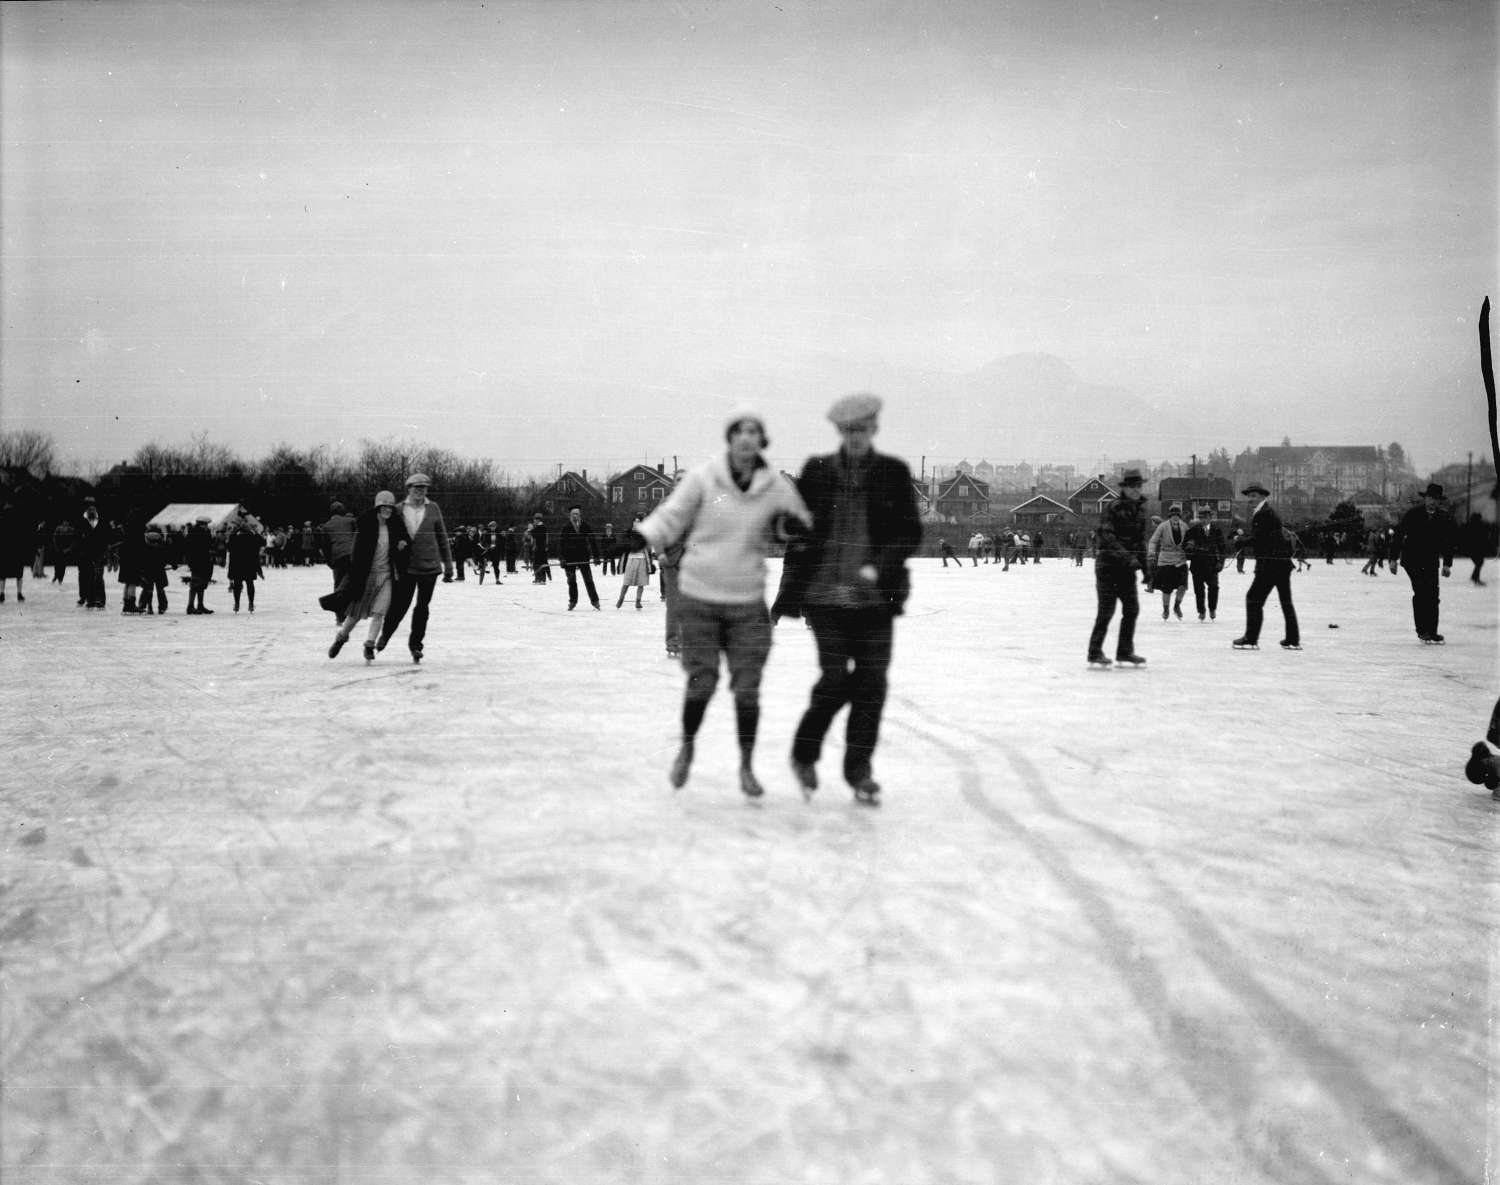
(852, 408)
(385, 498)
(742, 413)
(1175, 508)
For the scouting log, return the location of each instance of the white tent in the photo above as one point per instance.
(182, 514)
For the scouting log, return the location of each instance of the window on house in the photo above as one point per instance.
(639, 476)
(656, 494)
(617, 494)
(963, 491)
(640, 494)
(1225, 507)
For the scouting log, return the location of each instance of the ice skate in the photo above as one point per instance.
(749, 784)
(1130, 660)
(338, 644)
(1483, 767)
(807, 777)
(369, 652)
(680, 765)
(1431, 639)
(1245, 644)
(1100, 661)
(1285, 645)
(416, 654)
(867, 791)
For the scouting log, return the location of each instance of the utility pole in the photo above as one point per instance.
(1469, 490)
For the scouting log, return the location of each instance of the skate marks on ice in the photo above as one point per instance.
(1285, 1108)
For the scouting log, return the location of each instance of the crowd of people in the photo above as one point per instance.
(848, 525)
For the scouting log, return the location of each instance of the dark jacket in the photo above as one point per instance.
(1423, 539)
(198, 550)
(92, 539)
(243, 559)
(366, 533)
(538, 543)
(575, 545)
(895, 530)
(338, 537)
(1267, 537)
(1122, 534)
(1205, 546)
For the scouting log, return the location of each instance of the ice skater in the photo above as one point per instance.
(637, 565)
(1273, 569)
(734, 506)
(1120, 554)
(198, 550)
(848, 578)
(242, 563)
(1424, 540)
(428, 555)
(17, 546)
(1205, 548)
(577, 549)
(376, 566)
(1167, 558)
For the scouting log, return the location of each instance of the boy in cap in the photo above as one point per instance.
(1121, 554)
(848, 578)
(1273, 569)
(731, 509)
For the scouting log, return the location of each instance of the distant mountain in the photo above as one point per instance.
(1035, 407)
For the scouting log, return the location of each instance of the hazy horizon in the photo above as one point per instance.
(545, 233)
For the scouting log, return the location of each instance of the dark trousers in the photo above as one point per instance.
(91, 581)
(340, 567)
(854, 654)
(671, 596)
(572, 571)
(1269, 574)
(1205, 581)
(405, 589)
(1424, 596)
(1115, 583)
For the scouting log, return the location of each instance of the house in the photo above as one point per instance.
(1345, 468)
(1371, 506)
(573, 489)
(962, 499)
(1045, 510)
(1089, 500)
(1197, 493)
(641, 487)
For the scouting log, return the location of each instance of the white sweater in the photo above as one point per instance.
(729, 531)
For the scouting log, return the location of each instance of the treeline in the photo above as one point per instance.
(288, 485)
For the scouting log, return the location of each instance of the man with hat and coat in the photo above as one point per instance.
(576, 550)
(1273, 569)
(1424, 538)
(848, 578)
(429, 554)
(1120, 554)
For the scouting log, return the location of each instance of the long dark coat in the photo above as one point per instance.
(366, 533)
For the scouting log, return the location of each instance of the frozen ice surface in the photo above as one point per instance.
(270, 917)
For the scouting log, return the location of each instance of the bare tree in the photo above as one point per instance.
(27, 449)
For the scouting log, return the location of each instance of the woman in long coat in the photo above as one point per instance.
(381, 548)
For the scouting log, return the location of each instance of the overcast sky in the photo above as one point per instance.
(580, 232)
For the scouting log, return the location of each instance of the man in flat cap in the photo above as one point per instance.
(430, 554)
(1424, 540)
(1273, 569)
(848, 578)
(1120, 555)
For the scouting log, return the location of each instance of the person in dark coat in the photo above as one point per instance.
(541, 571)
(132, 559)
(1120, 555)
(1476, 545)
(1205, 548)
(198, 551)
(848, 578)
(17, 546)
(90, 550)
(153, 570)
(576, 550)
(1273, 569)
(242, 563)
(338, 541)
(512, 547)
(376, 565)
(1424, 540)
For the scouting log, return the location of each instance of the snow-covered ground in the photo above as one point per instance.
(267, 917)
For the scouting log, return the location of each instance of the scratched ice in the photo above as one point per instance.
(270, 917)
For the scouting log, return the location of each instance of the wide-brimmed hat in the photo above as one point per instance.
(418, 479)
(850, 409)
(1433, 490)
(1132, 477)
(385, 498)
(1256, 488)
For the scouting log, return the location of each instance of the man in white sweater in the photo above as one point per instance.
(728, 511)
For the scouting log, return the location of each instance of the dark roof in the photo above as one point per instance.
(651, 470)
